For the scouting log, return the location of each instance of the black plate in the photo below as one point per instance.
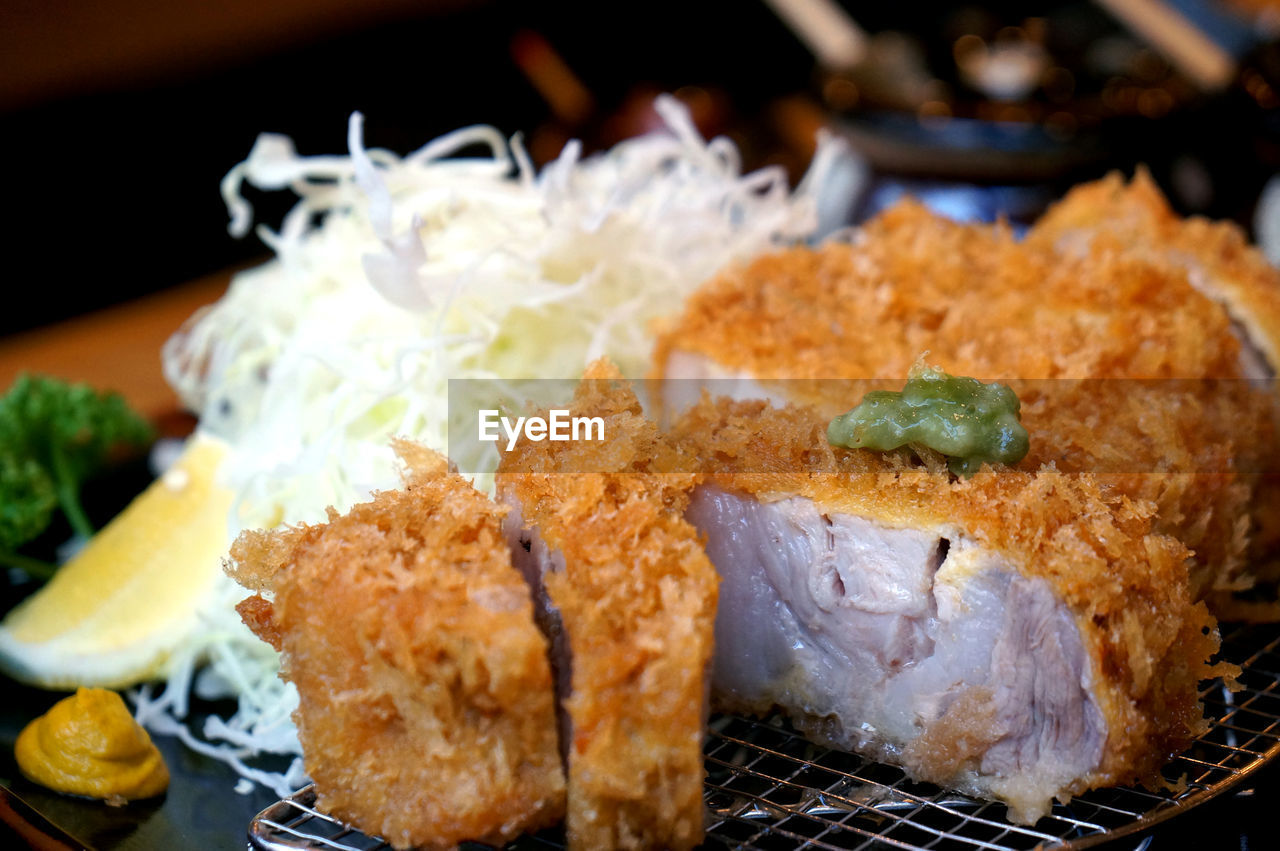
(201, 809)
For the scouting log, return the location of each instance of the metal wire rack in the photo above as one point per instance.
(769, 788)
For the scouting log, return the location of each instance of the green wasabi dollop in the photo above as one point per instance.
(964, 419)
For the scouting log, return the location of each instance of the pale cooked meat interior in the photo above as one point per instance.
(915, 646)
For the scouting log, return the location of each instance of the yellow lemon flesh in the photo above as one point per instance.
(89, 744)
(113, 615)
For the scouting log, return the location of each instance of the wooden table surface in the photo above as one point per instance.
(117, 348)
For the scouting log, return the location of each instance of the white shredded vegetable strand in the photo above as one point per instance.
(392, 276)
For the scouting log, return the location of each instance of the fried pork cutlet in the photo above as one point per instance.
(426, 709)
(1125, 367)
(629, 597)
(1134, 220)
(1114, 218)
(1016, 635)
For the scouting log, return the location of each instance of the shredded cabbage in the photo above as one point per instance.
(392, 275)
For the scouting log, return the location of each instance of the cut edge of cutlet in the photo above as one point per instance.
(426, 708)
(637, 596)
(1149, 643)
(1135, 216)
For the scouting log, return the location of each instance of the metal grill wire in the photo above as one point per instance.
(768, 788)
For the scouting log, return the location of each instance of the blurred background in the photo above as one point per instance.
(119, 119)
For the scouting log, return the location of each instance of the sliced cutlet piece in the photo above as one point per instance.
(1125, 368)
(426, 708)
(1017, 636)
(629, 598)
(1112, 218)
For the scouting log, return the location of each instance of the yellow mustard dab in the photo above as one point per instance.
(89, 744)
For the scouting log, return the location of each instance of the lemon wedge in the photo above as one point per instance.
(114, 614)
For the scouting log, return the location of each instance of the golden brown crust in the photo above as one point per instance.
(1126, 587)
(259, 615)
(981, 303)
(426, 708)
(1135, 219)
(637, 597)
(1176, 444)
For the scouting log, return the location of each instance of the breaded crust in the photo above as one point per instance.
(973, 296)
(1109, 351)
(426, 709)
(1134, 218)
(637, 597)
(1149, 643)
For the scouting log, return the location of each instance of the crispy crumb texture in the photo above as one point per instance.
(637, 596)
(426, 709)
(1112, 218)
(1134, 219)
(1110, 285)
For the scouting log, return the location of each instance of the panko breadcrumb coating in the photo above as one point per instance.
(426, 708)
(1133, 219)
(636, 597)
(1148, 643)
(1109, 350)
